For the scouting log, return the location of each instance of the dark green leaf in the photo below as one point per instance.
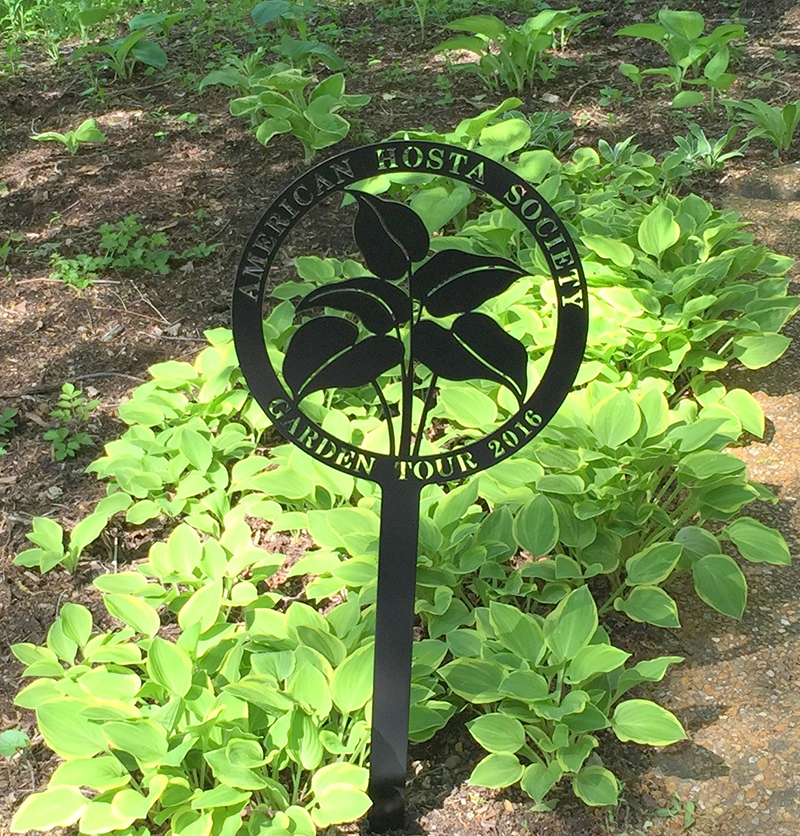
(719, 582)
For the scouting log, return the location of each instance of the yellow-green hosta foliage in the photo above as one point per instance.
(252, 720)
(222, 693)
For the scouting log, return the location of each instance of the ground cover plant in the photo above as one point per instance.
(219, 680)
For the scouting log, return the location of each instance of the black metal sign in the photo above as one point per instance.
(412, 312)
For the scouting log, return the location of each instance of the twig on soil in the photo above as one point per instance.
(577, 90)
(147, 301)
(126, 311)
(167, 337)
(51, 387)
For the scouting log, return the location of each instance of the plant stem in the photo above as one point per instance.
(425, 408)
(408, 394)
(387, 415)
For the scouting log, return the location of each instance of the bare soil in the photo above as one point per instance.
(208, 182)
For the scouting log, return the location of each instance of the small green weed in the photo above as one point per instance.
(72, 409)
(123, 246)
(7, 424)
(86, 132)
(610, 96)
(13, 741)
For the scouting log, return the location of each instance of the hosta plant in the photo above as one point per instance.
(512, 57)
(777, 124)
(697, 59)
(239, 718)
(277, 103)
(86, 132)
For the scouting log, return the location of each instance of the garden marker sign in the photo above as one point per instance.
(412, 317)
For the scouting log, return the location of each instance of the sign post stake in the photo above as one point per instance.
(394, 621)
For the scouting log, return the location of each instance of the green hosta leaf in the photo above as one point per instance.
(687, 98)
(340, 792)
(616, 420)
(66, 731)
(12, 740)
(144, 739)
(596, 786)
(220, 796)
(468, 406)
(340, 804)
(170, 666)
(571, 625)
(477, 680)
(196, 447)
(498, 733)
(202, 608)
(126, 807)
(338, 774)
(519, 632)
(76, 623)
(687, 26)
(747, 409)
(614, 251)
(538, 780)
(496, 771)
(263, 691)
(101, 773)
(150, 53)
(642, 721)
(651, 605)
(58, 807)
(525, 686)
(757, 542)
(719, 582)
(595, 659)
(760, 351)
(134, 612)
(658, 231)
(504, 138)
(536, 526)
(351, 685)
(653, 565)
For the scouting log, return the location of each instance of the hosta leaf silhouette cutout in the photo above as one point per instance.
(453, 281)
(313, 345)
(379, 305)
(448, 356)
(323, 353)
(493, 346)
(389, 235)
(358, 366)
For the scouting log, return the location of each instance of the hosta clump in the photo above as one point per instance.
(514, 57)
(243, 717)
(276, 102)
(629, 487)
(546, 686)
